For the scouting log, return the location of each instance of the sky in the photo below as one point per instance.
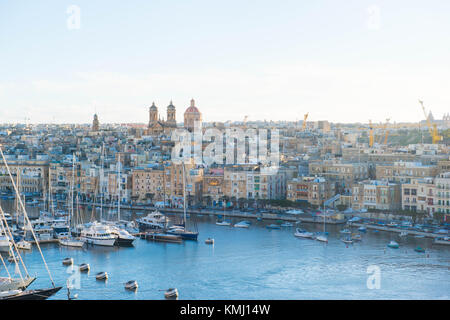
(343, 61)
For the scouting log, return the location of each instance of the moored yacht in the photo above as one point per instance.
(123, 237)
(153, 221)
(98, 234)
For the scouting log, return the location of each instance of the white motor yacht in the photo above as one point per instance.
(98, 234)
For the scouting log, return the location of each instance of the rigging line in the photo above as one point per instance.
(26, 215)
(3, 222)
(4, 264)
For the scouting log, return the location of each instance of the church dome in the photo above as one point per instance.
(192, 108)
(153, 107)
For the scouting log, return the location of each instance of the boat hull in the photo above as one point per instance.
(39, 294)
(122, 242)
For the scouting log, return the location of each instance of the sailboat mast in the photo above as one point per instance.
(184, 195)
(101, 182)
(118, 189)
(71, 188)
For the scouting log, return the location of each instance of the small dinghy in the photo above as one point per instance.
(347, 240)
(24, 245)
(419, 249)
(101, 275)
(85, 267)
(303, 234)
(345, 231)
(67, 261)
(362, 229)
(322, 238)
(286, 225)
(393, 245)
(273, 226)
(131, 285)
(209, 241)
(171, 293)
(242, 224)
(223, 223)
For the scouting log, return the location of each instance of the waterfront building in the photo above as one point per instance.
(312, 190)
(32, 174)
(376, 194)
(213, 185)
(427, 194)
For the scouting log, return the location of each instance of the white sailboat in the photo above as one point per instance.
(65, 239)
(14, 289)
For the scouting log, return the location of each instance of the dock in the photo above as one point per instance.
(397, 230)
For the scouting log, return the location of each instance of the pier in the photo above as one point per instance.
(397, 230)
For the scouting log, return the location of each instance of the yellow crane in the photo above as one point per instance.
(370, 134)
(386, 131)
(304, 120)
(432, 128)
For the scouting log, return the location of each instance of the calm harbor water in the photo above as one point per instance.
(254, 263)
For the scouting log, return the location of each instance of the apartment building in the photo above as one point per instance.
(403, 172)
(376, 194)
(313, 190)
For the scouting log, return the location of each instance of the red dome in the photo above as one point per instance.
(192, 109)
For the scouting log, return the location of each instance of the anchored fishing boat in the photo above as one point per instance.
(209, 241)
(131, 285)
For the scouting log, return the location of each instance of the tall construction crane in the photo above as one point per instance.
(304, 121)
(370, 134)
(432, 128)
(386, 131)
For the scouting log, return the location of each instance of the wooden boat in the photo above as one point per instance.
(209, 241)
(171, 293)
(103, 275)
(67, 261)
(131, 285)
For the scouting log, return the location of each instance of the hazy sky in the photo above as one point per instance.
(342, 61)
